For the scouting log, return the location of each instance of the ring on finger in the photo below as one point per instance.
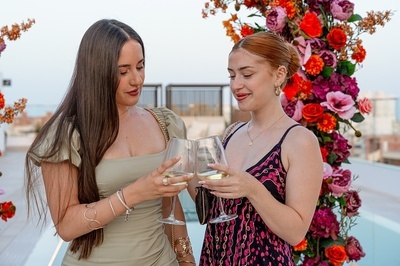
(165, 181)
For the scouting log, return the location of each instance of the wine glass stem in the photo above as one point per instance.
(221, 207)
(172, 214)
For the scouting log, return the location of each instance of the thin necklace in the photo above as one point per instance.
(253, 139)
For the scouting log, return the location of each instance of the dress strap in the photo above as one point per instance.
(286, 132)
(229, 132)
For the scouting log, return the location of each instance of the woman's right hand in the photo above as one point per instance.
(156, 185)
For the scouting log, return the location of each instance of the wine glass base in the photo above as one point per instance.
(171, 220)
(223, 218)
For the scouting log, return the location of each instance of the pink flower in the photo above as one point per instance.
(341, 180)
(329, 58)
(293, 108)
(354, 250)
(328, 171)
(353, 202)
(342, 9)
(340, 103)
(276, 19)
(365, 106)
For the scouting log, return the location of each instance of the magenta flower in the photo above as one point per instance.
(354, 250)
(316, 4)
(339, 147)
(353, 202)
(324, 224)
(342, 9)
(2, 47)
(340, 103)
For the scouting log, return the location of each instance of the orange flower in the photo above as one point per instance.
(312, 112)
(301, 246)
(314, 65)
(311, 25)
(246, 30)
(337, 38)
(336, 255)
(359, 53)
(327, 123)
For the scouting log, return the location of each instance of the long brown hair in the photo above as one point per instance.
(273, 48)
(88, 108)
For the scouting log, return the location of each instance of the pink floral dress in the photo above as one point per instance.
(247, 240)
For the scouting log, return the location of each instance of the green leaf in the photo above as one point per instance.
(326, 71)
(346, 68)
(332, 158)
(358, 118)
(354, 17)
(342, 201)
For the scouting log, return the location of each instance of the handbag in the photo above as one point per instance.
(203, 202)
(204, 199)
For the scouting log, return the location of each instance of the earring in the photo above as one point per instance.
(277, 90)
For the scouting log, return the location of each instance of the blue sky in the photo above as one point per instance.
(181, 46)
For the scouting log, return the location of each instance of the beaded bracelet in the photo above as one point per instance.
(128, 210)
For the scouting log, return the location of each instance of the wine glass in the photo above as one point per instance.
(210, 150)
(185, 166)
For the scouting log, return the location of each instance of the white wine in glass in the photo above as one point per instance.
(185, 166)
(210, 150)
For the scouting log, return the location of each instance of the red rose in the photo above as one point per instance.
(312, 112)
(336, 255)
(7, 210)
(311, 25)
(337, 38)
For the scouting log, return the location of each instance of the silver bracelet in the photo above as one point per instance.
(111, 206)
(120, 197)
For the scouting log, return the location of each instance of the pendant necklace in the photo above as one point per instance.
(253, 139)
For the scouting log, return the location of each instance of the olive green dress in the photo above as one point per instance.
(141, 239)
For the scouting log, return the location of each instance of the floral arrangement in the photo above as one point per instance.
(322, 96)
(7, 113)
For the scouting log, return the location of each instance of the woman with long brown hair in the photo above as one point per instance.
(100, 158)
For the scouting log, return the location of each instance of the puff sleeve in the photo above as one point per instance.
(39, 153)
(175, 125)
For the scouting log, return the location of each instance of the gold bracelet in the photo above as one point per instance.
(92, 221)
(187, 261)
(184, 242)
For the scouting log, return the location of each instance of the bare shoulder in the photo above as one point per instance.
(300, 137)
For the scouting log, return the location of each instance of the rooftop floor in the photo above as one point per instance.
(378, 185)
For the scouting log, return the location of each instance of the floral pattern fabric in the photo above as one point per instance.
(247, 240)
